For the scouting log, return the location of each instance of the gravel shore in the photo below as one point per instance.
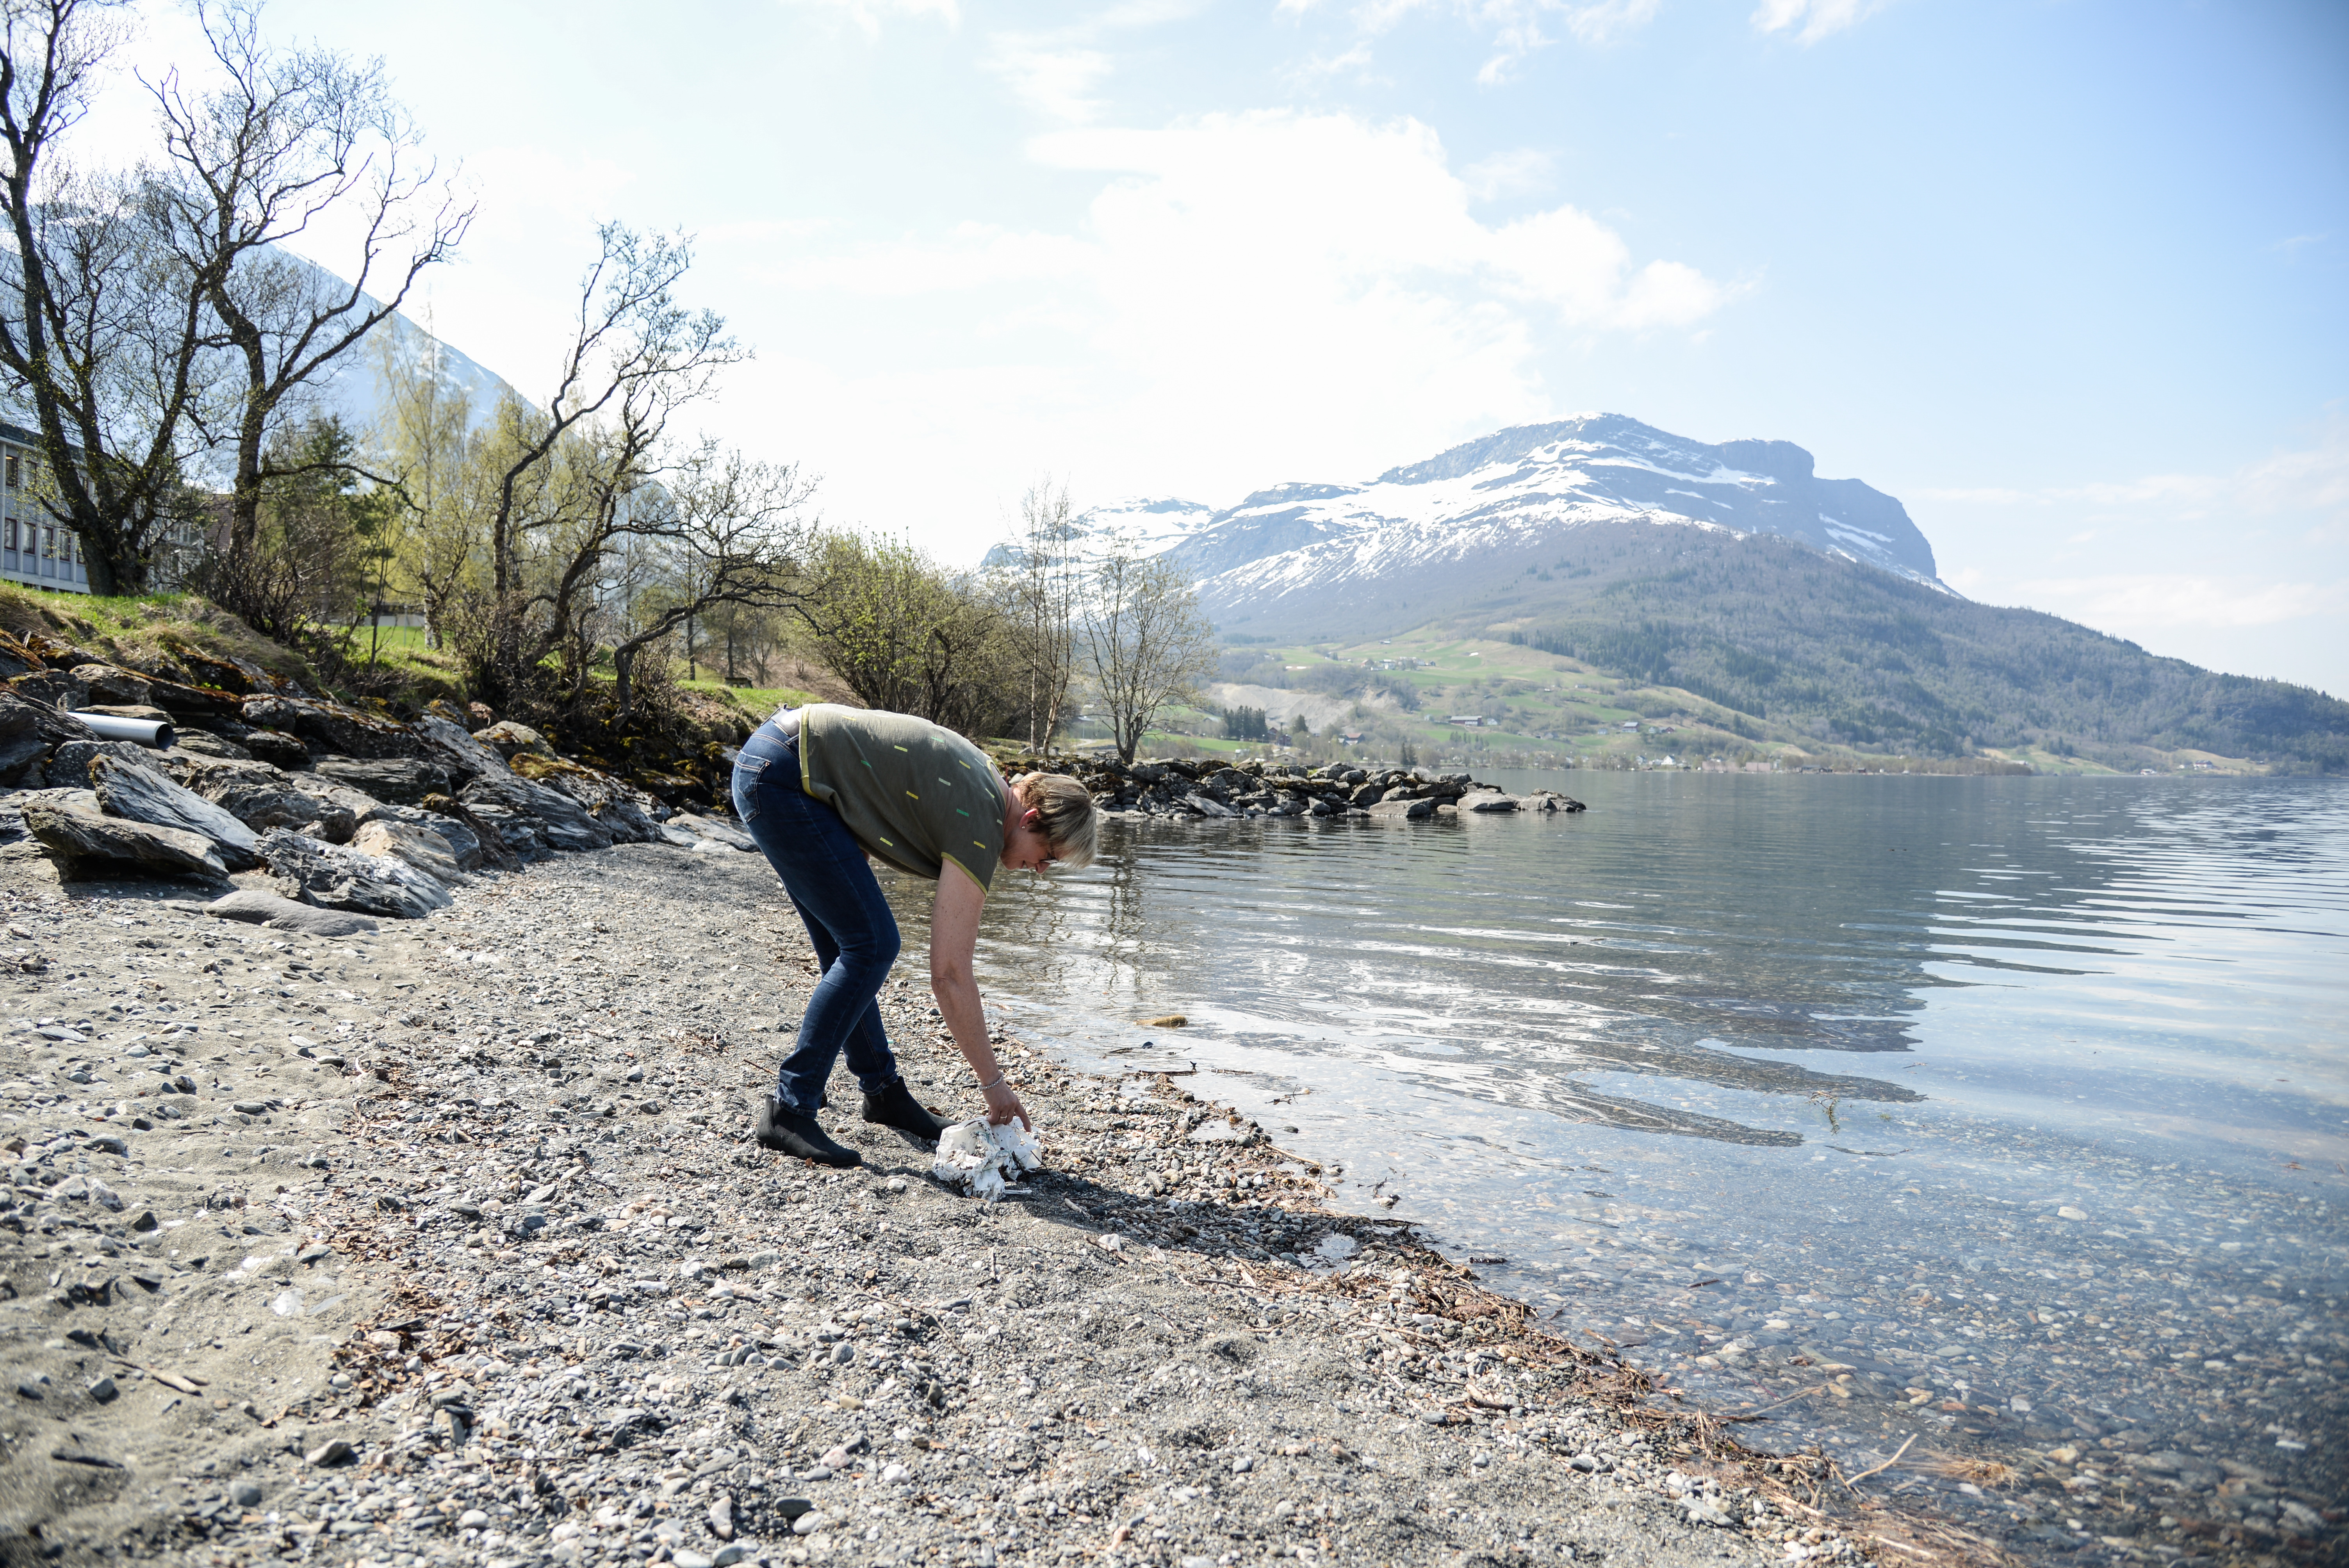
(447, 1242)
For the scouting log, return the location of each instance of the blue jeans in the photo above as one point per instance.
(832, 885)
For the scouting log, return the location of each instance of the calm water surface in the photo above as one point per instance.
(2010, 1113)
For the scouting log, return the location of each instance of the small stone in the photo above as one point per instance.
(104, 1391)
(842, 1354)
(686, 1557)
(2068, 1213)
(729, 1555)
(808, 1524)
(335, 1451)
(245, 1495)
(892, 1474)
(721, 1518)
(1242, 1465)
(471, 1519)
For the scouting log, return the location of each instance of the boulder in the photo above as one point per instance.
(532, 818)
(625, 811)
(205, 743)
(110, 684)
(402, 780)
(348, 730)
(277, 749)
(700, 826)
(137, 793)
(69, 765)
(258, 908)
(28, 728)
(255, 793)
(1206, 806)
(339, 806)
(447, 743)
(201, 704)
(509, 738)
(1368, 794)
(464, 845)
(1483, 801)
(50, 688)
(1402, 811)
(335, 878)
(224, 675)
(427, 851)
(86, 838)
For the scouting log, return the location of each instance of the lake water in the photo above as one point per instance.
(2011, 1114)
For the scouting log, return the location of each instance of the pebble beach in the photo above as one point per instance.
(445, 1242)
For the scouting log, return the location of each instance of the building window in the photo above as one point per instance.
(12, 533)
(49, 541)
(15, 471)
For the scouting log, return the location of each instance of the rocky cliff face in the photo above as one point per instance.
(1432, 534)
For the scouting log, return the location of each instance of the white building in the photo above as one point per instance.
(35, 548)
(39, 551)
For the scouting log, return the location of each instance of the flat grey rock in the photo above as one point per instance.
(465, 758)
(336, 878)
(69, 765)
(401, 781)
(463, 843)
(1485, 801)
(531, 817)
(86, 836)
(1402, 811)
(137, 793)
(255, 907)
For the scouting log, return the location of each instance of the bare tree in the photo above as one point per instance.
(733, 532)
(291, 137)
(579, 469)
(1043, 589)
(81, 293)
(1146, 641)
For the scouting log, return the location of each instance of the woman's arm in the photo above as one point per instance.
(954, 936)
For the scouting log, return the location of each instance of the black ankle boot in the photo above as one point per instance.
(788, 1132)
(897, 1106)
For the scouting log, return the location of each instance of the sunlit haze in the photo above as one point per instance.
(2068, 279)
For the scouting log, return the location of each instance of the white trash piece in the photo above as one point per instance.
(980, 1159)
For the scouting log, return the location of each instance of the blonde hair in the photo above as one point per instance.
(1066, 814)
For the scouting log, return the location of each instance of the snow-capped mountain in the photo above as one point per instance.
(355, 390)
(1487, 511)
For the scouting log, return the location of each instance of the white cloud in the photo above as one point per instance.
(1518, 172)
(2306, 479)
(2156, 602)
(1248, 297)
(868, 14)
(1816, 18)
(1055, 82)
(1518, 28)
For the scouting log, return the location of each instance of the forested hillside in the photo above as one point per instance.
(1848, 654)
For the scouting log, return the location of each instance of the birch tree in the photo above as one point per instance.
(1147, 645)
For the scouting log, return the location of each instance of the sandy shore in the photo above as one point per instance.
(448, 1243)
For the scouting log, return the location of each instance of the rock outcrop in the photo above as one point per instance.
(1262, 789)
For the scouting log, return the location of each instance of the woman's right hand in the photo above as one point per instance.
(1003, 1104)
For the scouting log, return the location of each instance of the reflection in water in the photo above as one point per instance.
(2002, 1111)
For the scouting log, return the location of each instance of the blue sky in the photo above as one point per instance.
(2068, 277)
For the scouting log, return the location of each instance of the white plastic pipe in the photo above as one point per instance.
(154, 732)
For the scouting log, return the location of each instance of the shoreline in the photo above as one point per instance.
(495, 1163)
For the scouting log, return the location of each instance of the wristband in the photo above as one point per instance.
(996, 1079)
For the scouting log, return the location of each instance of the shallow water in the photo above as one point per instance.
(2010, 1113)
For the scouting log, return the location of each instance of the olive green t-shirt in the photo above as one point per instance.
(913, 794)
